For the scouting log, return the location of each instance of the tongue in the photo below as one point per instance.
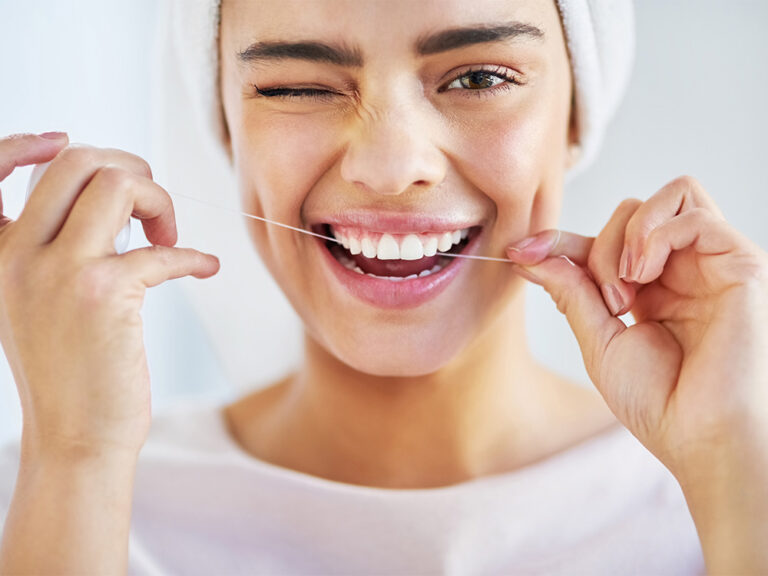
(400, 268)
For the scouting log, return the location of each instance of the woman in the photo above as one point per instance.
(418, 425)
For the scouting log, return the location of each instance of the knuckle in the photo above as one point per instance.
(686, 181)
(636, 226)
(78, 155)
(700, 215)
(653, 238)
(132, 162)
(114, 178)
(628, 205)
(85, 156)
(144, 166)
(693, 193)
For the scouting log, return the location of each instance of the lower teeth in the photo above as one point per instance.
(349, 264)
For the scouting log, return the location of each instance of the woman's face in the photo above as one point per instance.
(402, 128)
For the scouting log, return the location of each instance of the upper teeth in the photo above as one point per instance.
(396, 247)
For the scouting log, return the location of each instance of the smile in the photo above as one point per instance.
(395, 257)
(397, 269)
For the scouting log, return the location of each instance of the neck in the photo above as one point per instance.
(489, 411)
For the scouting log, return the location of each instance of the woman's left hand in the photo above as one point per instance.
(690, 378)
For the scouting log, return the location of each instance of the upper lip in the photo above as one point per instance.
(396, 223)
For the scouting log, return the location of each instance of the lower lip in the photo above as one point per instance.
(389, 294)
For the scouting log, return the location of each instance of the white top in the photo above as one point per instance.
(204, 506)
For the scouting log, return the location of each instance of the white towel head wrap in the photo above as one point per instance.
(599, 35)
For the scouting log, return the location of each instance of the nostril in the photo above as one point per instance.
(390, 164)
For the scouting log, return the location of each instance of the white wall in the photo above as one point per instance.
(84, 66)
(696, 105)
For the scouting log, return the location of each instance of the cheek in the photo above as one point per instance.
(283, 158)
(517, 161)
(277, 161)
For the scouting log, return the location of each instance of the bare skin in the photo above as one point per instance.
(473, 402)
(72, 333)
(442, 392)
(415, 432)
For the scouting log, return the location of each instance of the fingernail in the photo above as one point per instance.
(546, 238)
(53, 135)
(624, 263)
(612, 297)
(638, 269)
(519, 246)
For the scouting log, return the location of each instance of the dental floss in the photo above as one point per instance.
(234, 211)
(303, 231)
(124, 236)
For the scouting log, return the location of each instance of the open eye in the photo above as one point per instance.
(482, 79)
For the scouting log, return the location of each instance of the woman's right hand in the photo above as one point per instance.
(70, 306)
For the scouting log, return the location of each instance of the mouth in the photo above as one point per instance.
(398, 269)
(395, 257)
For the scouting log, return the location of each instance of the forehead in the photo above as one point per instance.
(376, 25)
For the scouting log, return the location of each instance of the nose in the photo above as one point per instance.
(393, 151)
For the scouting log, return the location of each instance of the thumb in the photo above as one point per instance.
(156, 264)
(562, 273)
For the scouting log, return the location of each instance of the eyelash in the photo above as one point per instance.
(292, 93)
(509, 78)
(500, 72)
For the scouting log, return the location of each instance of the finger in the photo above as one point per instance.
(546, 243)
(154, 265)
(109, 199)
(603, 261)
(25, 149)
(577, 296)
(677, 197)
(52, 199)
(700, 229)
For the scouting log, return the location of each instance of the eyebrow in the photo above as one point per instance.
(338, 54)
(460, 37)
(343, 55)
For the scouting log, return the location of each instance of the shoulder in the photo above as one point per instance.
(193, 426)
(648, 511)
(611, 507)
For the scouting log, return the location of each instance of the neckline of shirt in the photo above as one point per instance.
(615, 438)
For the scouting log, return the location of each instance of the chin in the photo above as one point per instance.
(397, 349)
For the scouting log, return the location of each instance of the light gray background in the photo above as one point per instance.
(696, 105)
